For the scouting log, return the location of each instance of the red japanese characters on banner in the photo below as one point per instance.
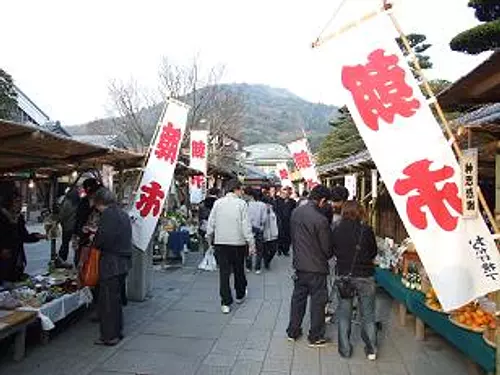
(302, 160)
(168, 145)
(379, 89)
(198, 181)
(421, 180)
(198, 149)
(151, 198)
(284, 174)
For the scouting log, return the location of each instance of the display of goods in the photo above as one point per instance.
(473, 317)
(412, 279)
(432, 302)
(388, 256)
(8, 301)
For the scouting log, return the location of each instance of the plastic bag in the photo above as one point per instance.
(208, 263)
(89, 274)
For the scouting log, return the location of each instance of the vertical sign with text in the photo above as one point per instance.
(198, 156)
(304, 162)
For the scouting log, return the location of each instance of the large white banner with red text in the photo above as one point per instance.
(415, 162)
(284, 174)
(304, 161)
(158, 174)
(198, 161)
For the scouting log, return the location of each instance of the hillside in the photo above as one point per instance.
(270, 115)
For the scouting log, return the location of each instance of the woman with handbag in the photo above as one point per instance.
(355, 248)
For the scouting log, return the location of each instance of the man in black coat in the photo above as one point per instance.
(312, 248)
(284, 208)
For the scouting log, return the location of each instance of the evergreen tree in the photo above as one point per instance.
(419, 46)
(484, 37)
(8, 96)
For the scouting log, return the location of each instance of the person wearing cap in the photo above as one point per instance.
(312, 248)
(13, 234)
(230, 231)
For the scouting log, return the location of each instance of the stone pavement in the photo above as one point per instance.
(180, 330)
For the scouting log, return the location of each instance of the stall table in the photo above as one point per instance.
(15, 323)
(470, 343)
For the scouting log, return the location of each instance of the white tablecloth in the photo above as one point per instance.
(60, 308)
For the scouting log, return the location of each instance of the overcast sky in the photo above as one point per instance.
(63, 54)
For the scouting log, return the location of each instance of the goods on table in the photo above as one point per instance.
(473, 317)
(8, 302)
(432, 302)
(412, 279)
(489, 337)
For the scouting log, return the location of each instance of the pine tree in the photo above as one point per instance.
(419, 46)
(8, 96)
(484, 37)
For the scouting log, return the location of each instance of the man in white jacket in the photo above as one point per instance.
(230, 231)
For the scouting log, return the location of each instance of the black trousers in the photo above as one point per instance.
(64, 249)
(284, 244)
(259, 254)
(313, 285)
(110, 307)
(231, 259)
(270, 248)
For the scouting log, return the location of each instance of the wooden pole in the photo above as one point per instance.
(458, 152)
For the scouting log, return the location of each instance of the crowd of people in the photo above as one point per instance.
(326, 233)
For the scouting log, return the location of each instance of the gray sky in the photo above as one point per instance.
(64, 53)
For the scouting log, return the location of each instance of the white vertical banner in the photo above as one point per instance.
(374, 183)
(304, 162)
(107, 176)
(351, 184)
(469, 166)
(415, 162)
(198, 157)
(284, 174)
(158, 173)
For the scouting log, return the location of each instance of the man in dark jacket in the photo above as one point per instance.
(312, 247)
(285, 206)
(114, 240)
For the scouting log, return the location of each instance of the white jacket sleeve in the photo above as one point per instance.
(211, 221)
(246, 227)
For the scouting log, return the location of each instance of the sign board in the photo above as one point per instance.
(304, 162)
(469, 169)
(198, 156)
(351, 184)
(415, 162)
(158, 174)
(374, 183)
(284, 174)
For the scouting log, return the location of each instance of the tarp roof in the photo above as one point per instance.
(28, 148)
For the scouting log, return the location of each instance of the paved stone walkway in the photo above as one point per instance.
(180, 330)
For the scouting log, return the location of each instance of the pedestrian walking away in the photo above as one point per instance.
(312, 248)
(285, 207)
(230, 231)
(257, 214)
(270, 235)
(355, 248)
(114, 240)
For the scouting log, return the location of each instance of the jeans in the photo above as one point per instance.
(314, 285)
(231, 259)
(365, 289)
(259, 254)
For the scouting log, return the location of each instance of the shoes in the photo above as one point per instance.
(293, 338)
(372, 357)
(319, 343)
(225, 309)
(248, 270)
(241, 300)
(112, 342)
(258, 272)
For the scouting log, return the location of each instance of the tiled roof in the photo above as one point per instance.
(352, 160)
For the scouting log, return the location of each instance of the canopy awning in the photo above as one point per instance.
(28, 148)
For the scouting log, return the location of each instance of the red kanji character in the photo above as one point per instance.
(311, 184)
(302, 160)
(198, 149)
(150, 199)
(379, 89)
(283, 174)
(198, 180)
(169, 143)
(423, 181)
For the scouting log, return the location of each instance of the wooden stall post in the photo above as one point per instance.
(53, 203)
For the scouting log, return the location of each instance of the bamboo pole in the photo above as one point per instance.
(458, 152)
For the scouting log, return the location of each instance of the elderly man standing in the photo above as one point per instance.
(312, 248)
(230, 231)
(114, 240)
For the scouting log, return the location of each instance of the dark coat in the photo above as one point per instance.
(13, 236)
(284, 213)
(82, 215)
(114, 240)
(311, 239)
(346, 235)
(206, 208)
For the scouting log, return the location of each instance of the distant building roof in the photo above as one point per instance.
(486, 115)
(254, 173)
(267, 151)
(56, 128)
(26, 105)
(100, 140)
(350, 161)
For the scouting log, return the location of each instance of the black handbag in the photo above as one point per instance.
(344, 284)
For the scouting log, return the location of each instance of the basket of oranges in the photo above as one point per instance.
(473, 318)
(432, 302)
